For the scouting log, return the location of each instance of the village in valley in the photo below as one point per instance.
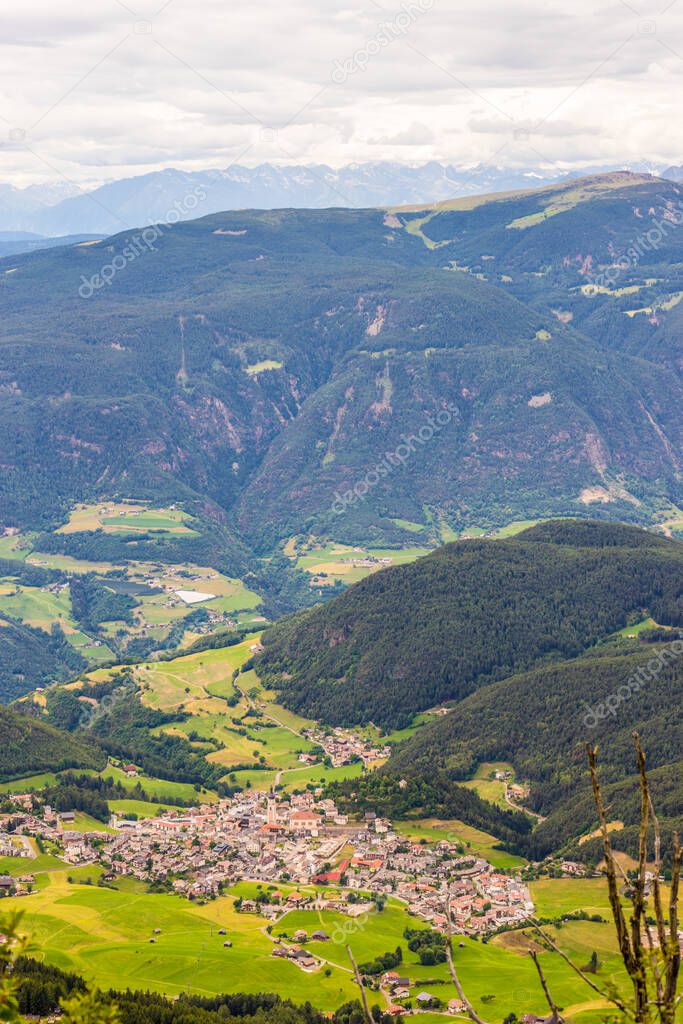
(300, 839)
(278, 863)
(282, 843)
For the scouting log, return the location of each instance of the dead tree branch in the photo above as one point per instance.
(361, 987)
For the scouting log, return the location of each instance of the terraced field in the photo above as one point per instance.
(230, 710)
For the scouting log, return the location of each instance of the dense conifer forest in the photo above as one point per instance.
(469, 614)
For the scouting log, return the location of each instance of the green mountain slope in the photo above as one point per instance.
(558, 708)
(29, 746)
(590, 252)
(470, 613)
(254, 365)
(31, 657)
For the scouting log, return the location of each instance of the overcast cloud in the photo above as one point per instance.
(92, 92)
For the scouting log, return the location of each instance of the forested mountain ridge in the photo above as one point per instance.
(31, 657)
(255, 365)
(29, 745)
(468, 614)
(558, 708)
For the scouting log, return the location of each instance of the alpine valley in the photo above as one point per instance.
(341, 558)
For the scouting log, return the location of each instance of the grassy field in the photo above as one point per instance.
(142, 808)
(639, 627)
(104, 935)
(15, 546)
(407, 524)
(41, 609)
(516, 527)
(36, 607)
(486, 786)
(16, 866)
(398, 735)
(68, 564)
(126, 517)
(193, 678)
(84, 823)
(154, 586)
(266, 364)
(557, 896)
(30, 784)
(340, 561)
(159, 790)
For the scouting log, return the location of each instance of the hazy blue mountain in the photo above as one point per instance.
(130, 202)
(15, 242)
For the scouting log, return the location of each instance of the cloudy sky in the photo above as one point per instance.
(91, 92)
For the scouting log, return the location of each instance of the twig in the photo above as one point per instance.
(471, 1012)
(554, 1008)
(596, 988)
(359, 982)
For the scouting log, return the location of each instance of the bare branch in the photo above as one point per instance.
(554, 1008)
(611, 868)
(361, 987)
(673, 957)
(471, 1012)
(596, 988)
(638, 974)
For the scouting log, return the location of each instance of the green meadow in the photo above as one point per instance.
(105, 934)
(154, 586)
(126, 517)
(337, 560)
(486, 786)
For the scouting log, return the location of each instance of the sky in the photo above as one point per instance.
(95, 91)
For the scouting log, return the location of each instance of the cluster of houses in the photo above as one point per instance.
(398, 987)
(199, 850)
(343, 746)
(11, 847)
(303, 958)
(302, 839)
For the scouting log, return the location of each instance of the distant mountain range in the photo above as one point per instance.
(63, 209)
(15, 242)
(367, 375)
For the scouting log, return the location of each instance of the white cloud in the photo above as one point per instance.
(99, 96)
